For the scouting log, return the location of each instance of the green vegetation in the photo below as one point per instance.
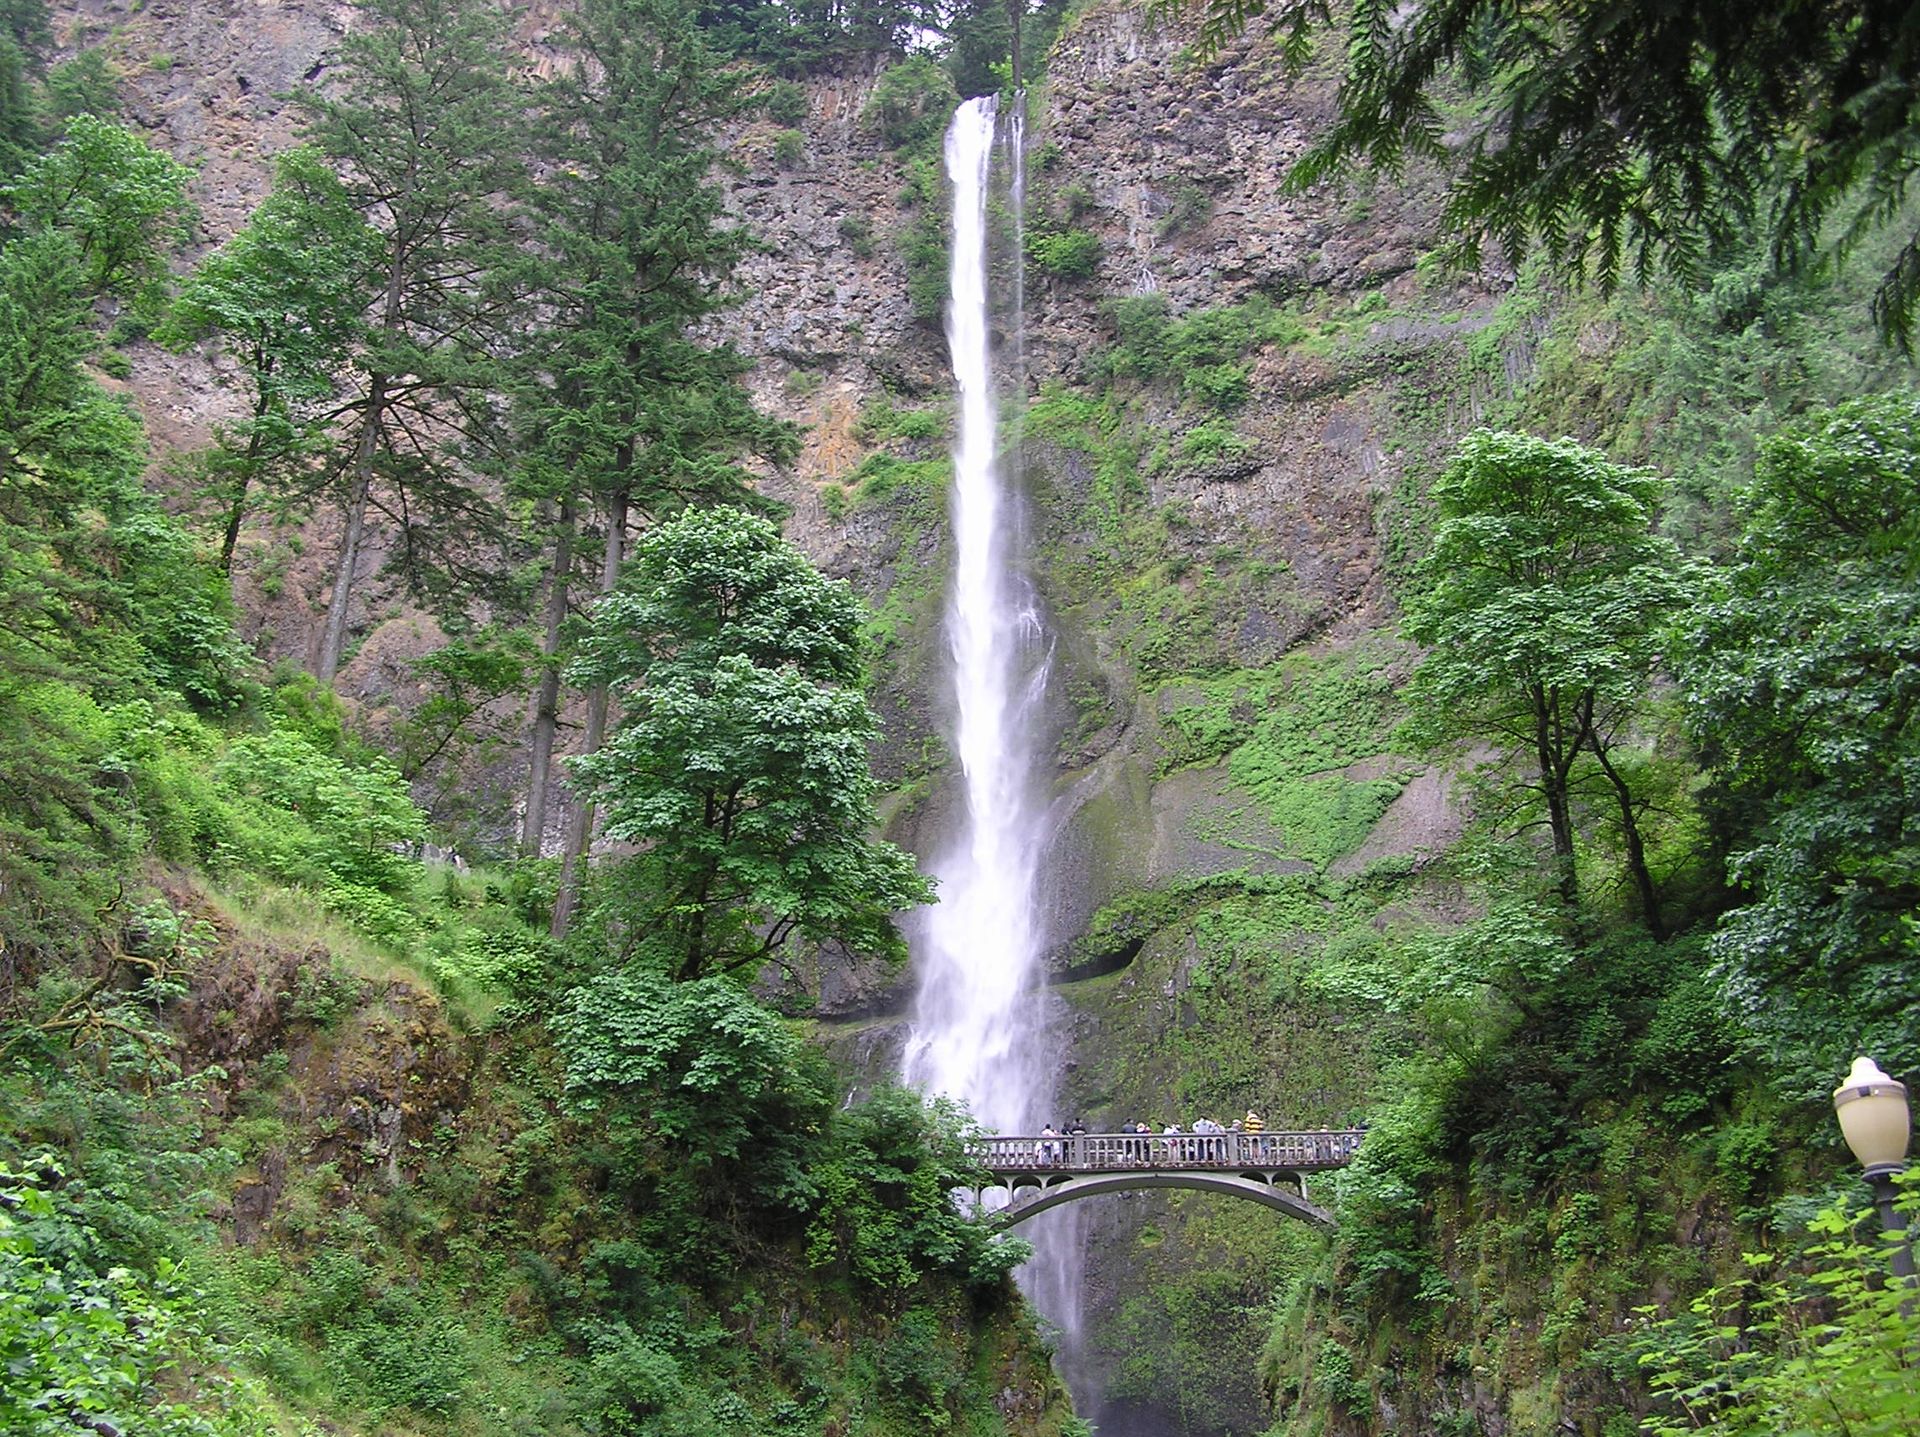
(119, 1348)
(306, 1133)
(284, 298)
(922, 235)
(301, 1131)
(785, 103)
(1566, 1115)
(1749, 1356)
(1625, 139)
(911, 103)
(1797, 676)
(1284, 735)
(437, 1202)
(1205, 351)
(1063, 253)
(739, 769)
(1541, 605)
(122, 203)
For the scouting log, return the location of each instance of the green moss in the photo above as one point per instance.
(906, 604)
(882, 421)
(1284, 733)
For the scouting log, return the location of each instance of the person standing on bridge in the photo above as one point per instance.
(1255, 1127)
(1206, 1149)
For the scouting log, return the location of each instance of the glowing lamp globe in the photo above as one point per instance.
(1872, 1109)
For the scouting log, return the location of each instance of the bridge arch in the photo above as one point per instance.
(1044, 1170)
(1028, 1199)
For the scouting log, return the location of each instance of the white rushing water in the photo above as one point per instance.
(977, 1018)
(979, 1030)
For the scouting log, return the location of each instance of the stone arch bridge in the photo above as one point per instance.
(1268, 1168)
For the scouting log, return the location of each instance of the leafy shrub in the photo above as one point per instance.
(688, 1061)
(789, 148)
(93, 1344)
(857, 231)
(1149, 344)
(628, 1378)
(1064, 254)
(1076, 199)
(406, 1354)
(324, 993)
(1821, 1345)
(1687, 1051)
(1190, 207)
(916, 1368)
(883, 1211)
(920, 424)
(1220, 387)
(380, 916)
(1212, 441)
(1333, 1374)
(881, 476)
(510, 962)
(319, 820)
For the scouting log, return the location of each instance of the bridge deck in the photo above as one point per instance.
(1012, 1157)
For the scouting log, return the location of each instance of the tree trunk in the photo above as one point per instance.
(1015, 13)
(237, 509)
(334, 641)
(1636, 851)
(1550, 751)
(580, 829)
(546, 700)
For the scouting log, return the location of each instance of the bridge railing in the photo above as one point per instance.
(1121, 1152)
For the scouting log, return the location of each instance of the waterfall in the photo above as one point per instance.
(979, 1027)
(977, 1016)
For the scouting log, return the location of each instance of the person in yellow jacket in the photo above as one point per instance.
(1254, 1125)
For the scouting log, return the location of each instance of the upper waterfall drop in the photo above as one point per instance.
(976, 1021)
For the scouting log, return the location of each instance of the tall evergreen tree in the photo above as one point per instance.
(417, 130)
(626, 414)
(25, 38)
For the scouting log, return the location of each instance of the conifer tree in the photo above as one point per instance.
(25, 37)
(417, 132)
(625, 412)
(1622, 136)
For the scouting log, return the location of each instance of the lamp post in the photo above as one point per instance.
(1872, 1109)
